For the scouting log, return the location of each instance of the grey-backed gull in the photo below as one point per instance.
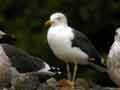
(15, 60)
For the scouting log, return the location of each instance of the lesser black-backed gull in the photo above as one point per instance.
(69, 44)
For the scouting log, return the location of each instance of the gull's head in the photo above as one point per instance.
(57, 19)
(117, 34)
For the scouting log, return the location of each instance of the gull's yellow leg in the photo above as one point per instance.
(75, 72)
(68, 71)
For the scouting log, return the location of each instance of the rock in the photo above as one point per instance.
(82, 84)
(52, 83)
(97, 87)
(66, 85)
(43, 86)
(31, 82)
(25, 82)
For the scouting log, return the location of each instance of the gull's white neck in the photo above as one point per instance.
(59, 25)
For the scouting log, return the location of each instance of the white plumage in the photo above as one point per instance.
(59, 39)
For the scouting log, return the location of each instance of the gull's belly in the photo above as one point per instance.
(115, 51)
(62, 48)
(113, 67)
(113, 63)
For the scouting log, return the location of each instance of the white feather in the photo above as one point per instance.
(59, 39)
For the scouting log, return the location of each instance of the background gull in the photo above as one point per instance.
(113, 62)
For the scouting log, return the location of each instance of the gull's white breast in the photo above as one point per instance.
(60, 41)
(113, 62)
(115, 50)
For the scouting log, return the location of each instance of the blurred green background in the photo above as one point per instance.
(98, 19)
(25, 19)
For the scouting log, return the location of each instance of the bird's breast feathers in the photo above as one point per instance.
(115, 50)
(59, 36)
(60, 41)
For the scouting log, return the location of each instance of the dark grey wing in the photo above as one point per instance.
(21, 60)
(82, 41)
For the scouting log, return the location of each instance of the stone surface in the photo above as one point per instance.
(31, 82)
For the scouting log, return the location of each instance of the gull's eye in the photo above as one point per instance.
(59, 18)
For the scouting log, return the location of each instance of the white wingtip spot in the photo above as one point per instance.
(59, 73)
(52, 67)
(58, 68)
(2, 33)
(46, 68)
